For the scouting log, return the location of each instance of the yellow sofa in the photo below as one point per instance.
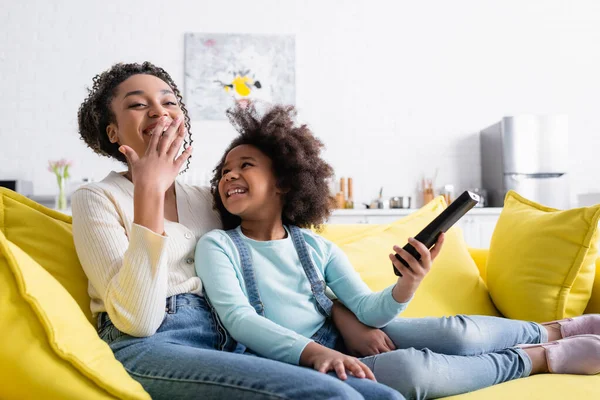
(49, 348)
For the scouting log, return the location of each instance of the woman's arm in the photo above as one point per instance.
(129, 272)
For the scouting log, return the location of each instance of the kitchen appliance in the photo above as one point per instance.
(20, 186)
(482, 193)
(400, 202)
(527, 154)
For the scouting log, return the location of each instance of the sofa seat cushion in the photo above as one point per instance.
(539, 387)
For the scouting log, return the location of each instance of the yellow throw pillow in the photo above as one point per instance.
(48, 349)
(541, 262)
(452, 287)
(46, 235)
(348, 233)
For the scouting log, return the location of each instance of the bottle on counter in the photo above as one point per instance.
(340, 197)
(339, 200)
(350, 199)
(448, 193)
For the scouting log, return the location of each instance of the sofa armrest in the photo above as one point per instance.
(480, 257)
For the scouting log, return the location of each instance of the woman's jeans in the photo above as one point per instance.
(182, 360)
(440, 357)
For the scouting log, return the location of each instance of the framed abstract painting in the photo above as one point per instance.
(221, 69)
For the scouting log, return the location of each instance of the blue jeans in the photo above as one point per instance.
(182, 361)
(438, 357)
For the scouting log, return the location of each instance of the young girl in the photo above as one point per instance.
(266, 278)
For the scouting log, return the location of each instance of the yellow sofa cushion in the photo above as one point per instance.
(45, 235)
(453, 286)
(347, 233)
(593, 306)
(541, 261)
(48, 349)
(539, 387)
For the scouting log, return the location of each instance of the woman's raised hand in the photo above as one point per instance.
(158, 167)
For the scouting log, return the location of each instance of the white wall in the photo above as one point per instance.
(394, 88)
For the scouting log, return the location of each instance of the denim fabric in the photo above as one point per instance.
(247, 272)
(440, 357)
(327, 335)
(182, 361)
(317, 285)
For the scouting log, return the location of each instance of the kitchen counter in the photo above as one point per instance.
(405, 211)
(477, 225)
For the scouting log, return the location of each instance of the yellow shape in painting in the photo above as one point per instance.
(241, 84)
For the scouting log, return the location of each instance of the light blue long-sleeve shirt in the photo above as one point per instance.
(291, 314)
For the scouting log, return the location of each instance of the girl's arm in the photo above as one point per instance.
(220, 281)
(373, 309)
(377, 309)
(360, 340)
(216, 269)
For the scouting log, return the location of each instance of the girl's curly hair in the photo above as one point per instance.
(296, 161)
(95, 113)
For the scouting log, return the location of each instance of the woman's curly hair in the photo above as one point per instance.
(296, 162)
(95, 113)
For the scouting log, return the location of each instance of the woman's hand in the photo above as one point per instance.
(157, 168)
(360, 340)
(411, 277)
(155, 171)
(324, 359)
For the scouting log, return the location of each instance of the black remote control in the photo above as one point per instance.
(430, 234)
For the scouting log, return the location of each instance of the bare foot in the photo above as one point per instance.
(554, 332)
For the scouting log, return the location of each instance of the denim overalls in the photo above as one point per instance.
(327, 335)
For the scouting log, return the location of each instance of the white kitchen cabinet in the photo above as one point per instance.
(478, 225)
(478, 229)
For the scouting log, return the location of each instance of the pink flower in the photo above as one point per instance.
(60, 168)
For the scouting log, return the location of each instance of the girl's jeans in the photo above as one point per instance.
(440, 357)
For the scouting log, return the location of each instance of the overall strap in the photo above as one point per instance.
(317, 285)
(247, 272)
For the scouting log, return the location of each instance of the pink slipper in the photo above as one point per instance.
(578, 355)
(585, 324)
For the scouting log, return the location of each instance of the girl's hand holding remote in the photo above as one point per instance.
(411, 277)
